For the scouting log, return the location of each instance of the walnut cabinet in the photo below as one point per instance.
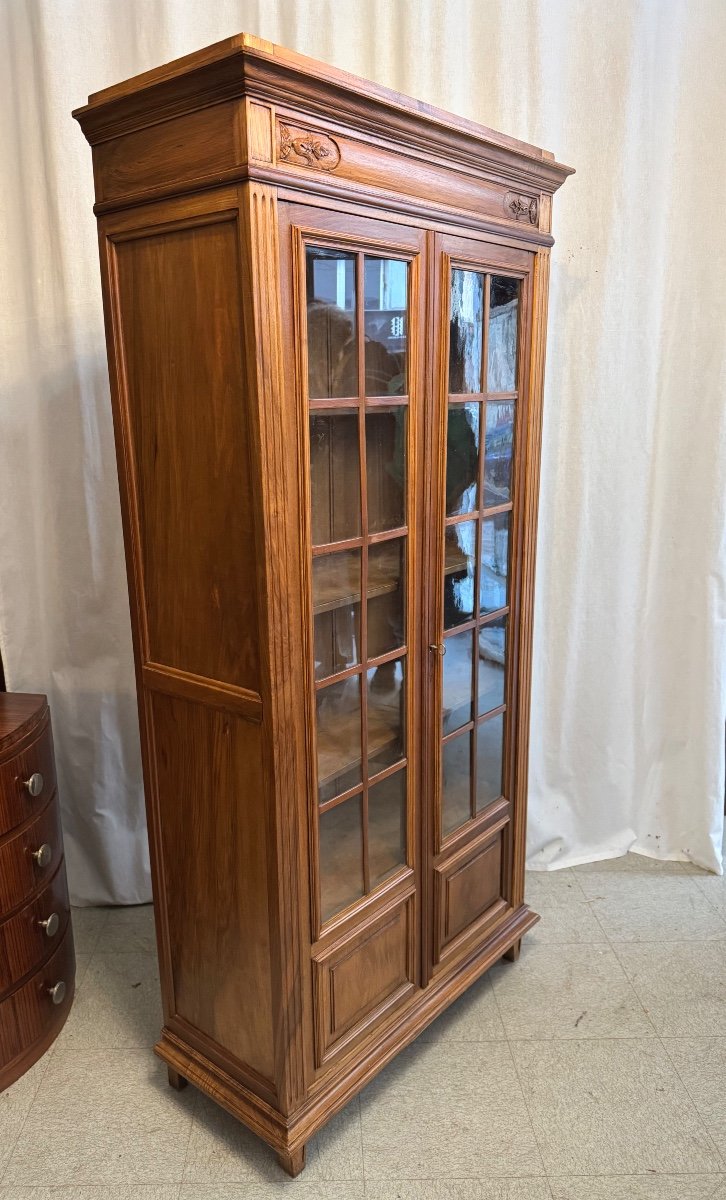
(325, 313)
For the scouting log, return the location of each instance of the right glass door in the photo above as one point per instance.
(482, 370)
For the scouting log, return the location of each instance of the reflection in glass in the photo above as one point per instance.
(339, 738)
(492, 659)
(387, 827)
(386, 597)
(332, 338)
(334, 477)
(458, 686)
(489, 738)
(336, 608)
(462, 459)
(465, 331)
(455, 783)
(386, 715)
(386, 468)
(502, 351)
(385, 285)
(494, 562)
(498, 453)
(459, 566)
(341, 857)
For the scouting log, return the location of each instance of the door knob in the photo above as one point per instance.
(35, 784)
(42, 855)
(438, 648)
(50, 925)
(57, 992)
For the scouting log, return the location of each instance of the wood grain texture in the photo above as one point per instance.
(30, 891)
(30, 754)
(213, 176)
(29, 1020)
(24, 943)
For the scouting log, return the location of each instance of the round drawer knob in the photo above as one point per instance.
(43, 855)
(57, 992)
(51, 925)
(34, 785)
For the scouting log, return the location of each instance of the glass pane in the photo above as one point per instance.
(386, 468)
(502, 351)
(494, 562)
(456, 783)
(498, 454)
(459, 564)
(332, 338)
(465, 331)
(334, 477)
(341, 857)
(386, 715)
(492, 660)
(462, 459)
(386, 597)
(385, 285)
(489, 740)
(387, 827)
(458, 689)
(339, 738)
(336, 607)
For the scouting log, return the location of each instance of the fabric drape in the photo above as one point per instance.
(629, 664)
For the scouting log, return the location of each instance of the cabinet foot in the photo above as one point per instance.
(512, 954)
(177, 1081)
(292, 1161)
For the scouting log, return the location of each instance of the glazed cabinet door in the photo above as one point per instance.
(475, 536)
(356, 305)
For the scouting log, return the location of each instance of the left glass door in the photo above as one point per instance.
(359, 398)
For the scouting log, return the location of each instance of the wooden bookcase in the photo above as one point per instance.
(325, 312)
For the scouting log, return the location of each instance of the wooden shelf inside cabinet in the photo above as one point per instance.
(334, 587)
(283, 238)
(335, 740)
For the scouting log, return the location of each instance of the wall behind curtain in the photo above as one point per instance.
(628, 705)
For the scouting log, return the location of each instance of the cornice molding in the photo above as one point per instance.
(244, 67)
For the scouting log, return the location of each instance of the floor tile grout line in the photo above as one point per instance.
(47, 1056)
(629, 981)
(193, 1117)
(519, 1081)
(719, 1156)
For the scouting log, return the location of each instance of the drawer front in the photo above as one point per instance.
(20, 873)
(24, 941)
(468, 893)
(35, 763)
(362, 978)
(28, 1013)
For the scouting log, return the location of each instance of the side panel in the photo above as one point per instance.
(173, 287)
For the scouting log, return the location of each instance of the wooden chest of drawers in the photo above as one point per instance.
(37, 962)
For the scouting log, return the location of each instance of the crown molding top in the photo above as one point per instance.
(247, 66)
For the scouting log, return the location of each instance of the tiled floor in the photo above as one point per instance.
(593, 1069)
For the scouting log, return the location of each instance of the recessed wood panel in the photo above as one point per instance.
(363, 977)
(179, 299)
(16, 802)
(211, 802)
(469, 889)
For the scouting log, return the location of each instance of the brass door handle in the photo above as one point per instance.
(438, 648)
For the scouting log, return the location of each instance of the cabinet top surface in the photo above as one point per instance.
(248, 65)
(18, 711)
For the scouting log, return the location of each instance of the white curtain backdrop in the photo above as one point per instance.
(628, 705)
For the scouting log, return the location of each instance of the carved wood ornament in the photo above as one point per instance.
(304, 148)
(522, 208)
